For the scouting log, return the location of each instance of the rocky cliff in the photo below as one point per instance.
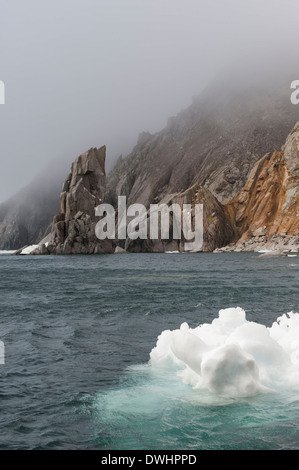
(215, 142)
(216, 147)
(265, 213)
(217, 228)
(73, 230)
(26, 217)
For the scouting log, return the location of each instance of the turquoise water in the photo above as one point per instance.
(78, 332)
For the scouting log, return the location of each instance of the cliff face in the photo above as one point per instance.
(216, 227)
(263, 214)
(221, 147)
(215, 143)
(267, 209)
(73, 230)
(26, 217)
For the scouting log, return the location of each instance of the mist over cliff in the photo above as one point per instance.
(205, 86)
(213, 142)
(81, 74)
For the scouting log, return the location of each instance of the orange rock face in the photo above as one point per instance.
(268, 204)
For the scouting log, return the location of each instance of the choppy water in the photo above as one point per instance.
(78, 332)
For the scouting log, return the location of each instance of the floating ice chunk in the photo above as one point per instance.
(228, 370)
(285, 331)
(232, 356)
(188, 348)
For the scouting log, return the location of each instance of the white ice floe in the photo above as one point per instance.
(232, 356)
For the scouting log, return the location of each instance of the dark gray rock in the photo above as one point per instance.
(73, 230)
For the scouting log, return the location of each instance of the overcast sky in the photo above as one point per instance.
(84, 73)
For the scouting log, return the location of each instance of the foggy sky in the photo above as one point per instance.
(84, 73)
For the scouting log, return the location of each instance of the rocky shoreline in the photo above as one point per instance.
(263, 217)
(277, 245)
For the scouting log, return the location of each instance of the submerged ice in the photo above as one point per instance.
(232, 356)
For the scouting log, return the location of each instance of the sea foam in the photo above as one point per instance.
(232, 356)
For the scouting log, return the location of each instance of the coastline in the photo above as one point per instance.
(277, 245)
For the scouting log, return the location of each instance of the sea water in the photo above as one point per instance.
(149, 351)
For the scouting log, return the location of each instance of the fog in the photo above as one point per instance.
(81, 74)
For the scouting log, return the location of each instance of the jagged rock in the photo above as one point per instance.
(214, 142)
(263, 216)
(119, 250)
(73, 230)
(217, 227)
(266, 211)
(260, 232)
(268, 205)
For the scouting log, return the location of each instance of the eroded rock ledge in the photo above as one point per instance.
(73, 230)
